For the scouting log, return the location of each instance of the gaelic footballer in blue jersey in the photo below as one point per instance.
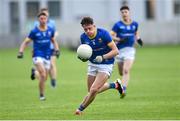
(125, 34)
(41, 37)
(53, 69)
(101, 62)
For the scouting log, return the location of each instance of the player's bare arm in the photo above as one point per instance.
(138, 39)
(57, 52)
(114, 37)
(23, 46)
(113, 52)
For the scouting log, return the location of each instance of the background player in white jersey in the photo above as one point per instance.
(53, 69)
(125, 34)
(41, 36)
(101, 62)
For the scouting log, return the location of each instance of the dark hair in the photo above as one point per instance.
(86, 21)
(43, 9)
(124, 8)
(41, 14)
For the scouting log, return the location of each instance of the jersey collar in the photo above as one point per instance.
(127, 23)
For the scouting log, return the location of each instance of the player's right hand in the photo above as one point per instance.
(57, 53)
(123, 40)
(140, 42)
(83, 60)
(99, 59)
(20, 55)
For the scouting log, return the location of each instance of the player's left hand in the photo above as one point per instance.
(99, 59)
(83, 60)
(20, 55)
(57, 53)
(140, 42)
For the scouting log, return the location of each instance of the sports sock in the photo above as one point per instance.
(81, 107)
(53, 82)
(53, 79)
(41, 95)
(112, 85)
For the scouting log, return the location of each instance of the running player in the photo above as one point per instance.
(125, 34)
(41, 36)
(53, 68)
(101, 62)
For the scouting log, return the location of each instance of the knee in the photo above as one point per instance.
(125, 71)
(43, 75)
(94, 91)
(52, 65)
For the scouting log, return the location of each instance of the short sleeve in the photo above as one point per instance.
(81, 39)
(115, 28)
(136, 24)
(31, 35)
(107, 37)
(53, 32)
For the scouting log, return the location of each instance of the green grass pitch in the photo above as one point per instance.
(153, 92)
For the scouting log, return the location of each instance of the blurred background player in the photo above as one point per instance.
(124, 33)
(41, 36)
(101, 62)
(53, 68)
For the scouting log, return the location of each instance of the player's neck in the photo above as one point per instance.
(127, 21)
(94, 35)
(42, 27)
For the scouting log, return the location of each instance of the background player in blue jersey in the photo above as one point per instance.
(101, 62)
(125, 34)
(41, 36)
(53, 69)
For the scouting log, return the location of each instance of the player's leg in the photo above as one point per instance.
(90, 81)
(120, 65)
(126, 71)
(33, 71)
(129, 56)
(113, 85)
(42, 74)
(92, 71)
(53, 71)
(100, 80)
(42, 78)
(105, 87)
(34, 74)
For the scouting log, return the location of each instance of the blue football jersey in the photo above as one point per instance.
(99, 45)
(41, 42)
(126, 32)
(50, 23)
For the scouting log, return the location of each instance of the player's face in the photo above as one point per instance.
(125, 14)
(89, 29)
(43, 20)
